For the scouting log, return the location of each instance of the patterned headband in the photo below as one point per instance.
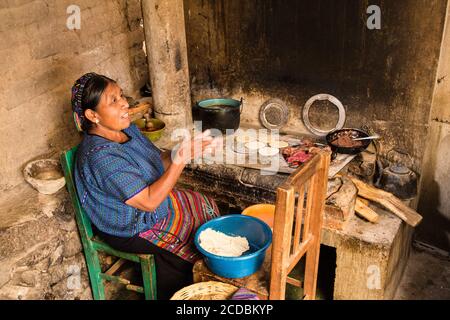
(77, 95)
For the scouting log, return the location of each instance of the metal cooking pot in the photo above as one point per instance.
(221, 114)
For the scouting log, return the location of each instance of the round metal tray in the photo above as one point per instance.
(274, 114)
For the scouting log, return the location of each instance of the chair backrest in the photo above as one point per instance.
(83, 222)
(300, 199)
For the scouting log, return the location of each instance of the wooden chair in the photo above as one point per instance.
(299, 210)
(92, 245)
(296, 234)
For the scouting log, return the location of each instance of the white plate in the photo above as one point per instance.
(278, 144)
(239, 148)
(245, 138)
(253, 146)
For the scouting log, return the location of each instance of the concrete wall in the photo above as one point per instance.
(41, 58)
(295, 49)
(435, 185)
(385, 78)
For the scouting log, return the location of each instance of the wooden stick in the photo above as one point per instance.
(116, 266)
(389, 201)
(142, 107)
(364, 211)
(294, 282)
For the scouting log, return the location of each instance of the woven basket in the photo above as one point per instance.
(210, 290)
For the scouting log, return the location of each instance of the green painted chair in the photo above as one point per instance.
(92, 245)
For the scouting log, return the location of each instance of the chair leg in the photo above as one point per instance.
(94, 270)
(149, 277)
(311, 270)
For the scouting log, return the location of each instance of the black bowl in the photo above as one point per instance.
(354, 133)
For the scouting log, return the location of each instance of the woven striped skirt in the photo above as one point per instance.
(175, 233)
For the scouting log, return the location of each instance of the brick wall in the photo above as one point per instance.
(40, 60)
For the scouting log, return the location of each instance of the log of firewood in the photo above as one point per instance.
(365, 201)
(363, 210)
(389, 201)
(339, 203)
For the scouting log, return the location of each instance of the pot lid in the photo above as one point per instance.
(255, 145)
(323, 96)
(274, 114)
(399, 168)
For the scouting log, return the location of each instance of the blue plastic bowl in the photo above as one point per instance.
(258, 234)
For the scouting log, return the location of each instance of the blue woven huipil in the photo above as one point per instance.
(109, 173)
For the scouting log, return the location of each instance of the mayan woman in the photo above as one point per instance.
(126, 184)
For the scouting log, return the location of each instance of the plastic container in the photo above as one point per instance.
(254, 146)
(258, 234)
(263, 211)
(267, 154)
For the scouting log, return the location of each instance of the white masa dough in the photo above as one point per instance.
(219, 243)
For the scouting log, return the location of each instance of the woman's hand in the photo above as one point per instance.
(152, 196)
(193, 148)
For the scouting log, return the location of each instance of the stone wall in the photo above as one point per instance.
(435, 184)
(41, 59)
(40, 250)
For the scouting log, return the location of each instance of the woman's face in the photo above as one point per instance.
(112, 110)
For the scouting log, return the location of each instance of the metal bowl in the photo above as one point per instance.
(354, 133)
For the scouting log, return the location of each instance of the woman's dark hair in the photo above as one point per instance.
(92, 93)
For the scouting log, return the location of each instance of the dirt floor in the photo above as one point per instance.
(427, 277)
